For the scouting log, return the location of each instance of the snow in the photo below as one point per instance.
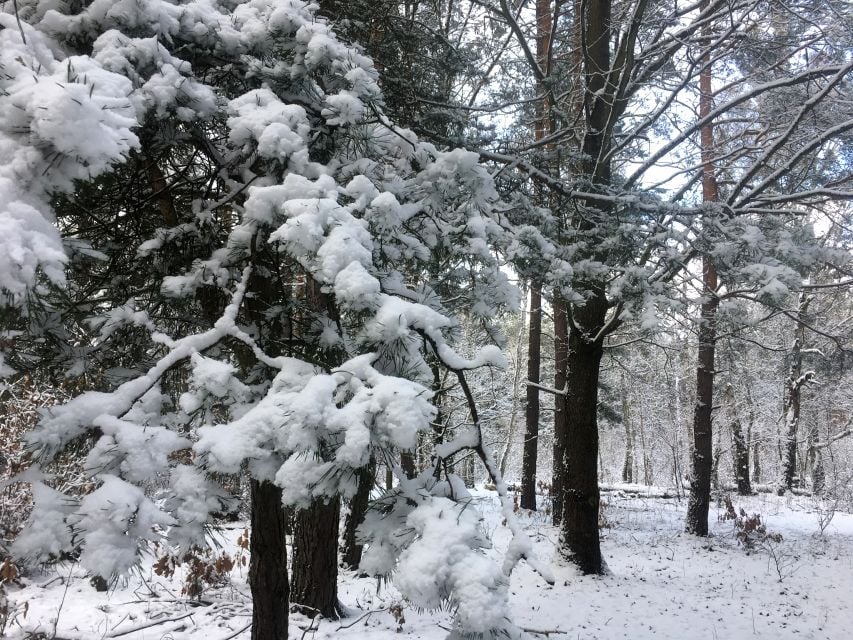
(42, 154)
(663, 584)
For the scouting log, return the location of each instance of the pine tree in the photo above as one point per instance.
(295, 344)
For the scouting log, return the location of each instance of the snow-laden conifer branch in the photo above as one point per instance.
(520, 547)
(65, 422)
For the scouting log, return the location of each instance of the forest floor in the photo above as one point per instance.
(661, 584)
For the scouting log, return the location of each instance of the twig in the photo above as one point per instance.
(311, 627)
(364, 615)
(51, 581)
(62, 602)
(238, 632)
(149, 624)
(544, 632)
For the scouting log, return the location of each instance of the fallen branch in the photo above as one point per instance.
(364, 615)
(148, 625)
(237, 633)
(544, 632)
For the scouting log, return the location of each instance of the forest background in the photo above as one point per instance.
(284, 253)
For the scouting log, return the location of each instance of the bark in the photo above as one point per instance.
(352, 549)
(161, 191)
(315, 559)
(561, 363)
(579, 525)
(531, 431)
(268, 563)
(702, 459)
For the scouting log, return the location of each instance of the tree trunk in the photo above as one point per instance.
(740, 444)
(561, 363)
(700, 485)
(513, 414)
(588, 322)
(268, 563)
(531, 432)
(793, 388)
(315, 559)
(818, 475)
(579, 525)
(741, 459)
(756, 464)
(647, 467)
(715, 469)
(407, 463)
(352, 549)
(628, 466)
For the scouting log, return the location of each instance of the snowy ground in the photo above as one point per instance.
(662, 584)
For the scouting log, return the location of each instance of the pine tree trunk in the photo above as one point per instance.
(740, 444)
(531, 431)
(628, 466)
(513, 413)
(352, 550)
(647, 467)
(715, 468)
(579, 525)
(741, 462)
(407, 463)
(268, 563)
(700, 485)
(561, 363)
(792, 414)
(315, 559)
(818, 475)
(793, 389)
(756, 464)
(588, 322)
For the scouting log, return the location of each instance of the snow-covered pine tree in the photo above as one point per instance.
(292, 342)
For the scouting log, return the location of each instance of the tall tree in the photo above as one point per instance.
(702, 454)
(794, 384)
(544, 29)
